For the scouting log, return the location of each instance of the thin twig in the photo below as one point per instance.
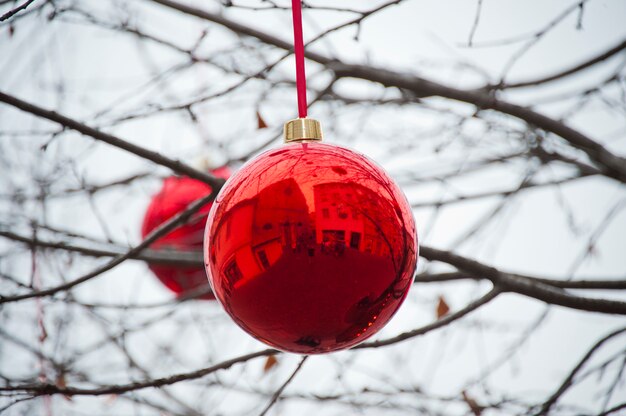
(158, 232)
(562, 74)
(45, 389)
(435, 325)
(614, 166)
(524, 286)
(278, 392)
(175, 165)
(475, 24)
(15, 11)
(545, 408)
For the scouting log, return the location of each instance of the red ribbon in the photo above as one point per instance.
(296, 8)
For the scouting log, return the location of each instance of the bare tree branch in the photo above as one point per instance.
(479, 7)
(150, 256)
(545, 408)
(47, 389)
(522, 285)
(175, 165)
(154, 235)
(564, 73)
(612, 410)
(435, 325)
(601, 284)
(613, 166)
(280, 390)
(16, 10)
(547, 290)
(456, 134)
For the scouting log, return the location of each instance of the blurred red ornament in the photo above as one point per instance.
(311, 248)
(175, 195)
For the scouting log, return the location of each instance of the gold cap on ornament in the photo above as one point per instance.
(302, 129)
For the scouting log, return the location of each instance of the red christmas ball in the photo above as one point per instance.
(175, 195)
(311, 248)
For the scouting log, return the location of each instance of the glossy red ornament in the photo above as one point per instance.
(311, 248)
(175, 195)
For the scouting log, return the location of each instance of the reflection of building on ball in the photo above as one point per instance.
(344, 218)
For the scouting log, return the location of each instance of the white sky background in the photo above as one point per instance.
(79, 70)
